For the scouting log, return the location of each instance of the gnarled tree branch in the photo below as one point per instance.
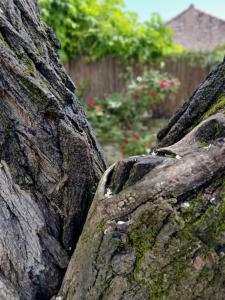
(156, 227)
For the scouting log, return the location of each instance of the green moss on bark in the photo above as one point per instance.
(181, 250)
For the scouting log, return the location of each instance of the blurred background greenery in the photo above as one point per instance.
(96, 28)
(92, 31)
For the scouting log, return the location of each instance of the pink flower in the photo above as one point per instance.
(98, 107)
(164, 85)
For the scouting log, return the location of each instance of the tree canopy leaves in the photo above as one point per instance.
(96, 28)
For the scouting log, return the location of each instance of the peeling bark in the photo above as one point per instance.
(50, 161)
(156, 227)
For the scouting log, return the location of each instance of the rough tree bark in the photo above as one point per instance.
(156, 228)
(50, 161)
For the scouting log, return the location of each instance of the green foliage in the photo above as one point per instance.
(208, 59)
(96, 28)
(122, 118)
(152, 87)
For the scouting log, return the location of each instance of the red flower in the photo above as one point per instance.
(137, 137)
(172, 83)
(90, 102)
(149, 146)
(164, 85)
(153, 94)
(135, 96)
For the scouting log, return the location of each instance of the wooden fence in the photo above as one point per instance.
(108, 75)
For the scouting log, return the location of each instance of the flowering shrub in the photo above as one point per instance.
(152, 88)
(120, 118)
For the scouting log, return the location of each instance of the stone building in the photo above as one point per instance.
(198, 31)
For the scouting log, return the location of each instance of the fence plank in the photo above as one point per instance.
(106, 76)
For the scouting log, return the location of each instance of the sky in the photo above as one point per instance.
(170, 8)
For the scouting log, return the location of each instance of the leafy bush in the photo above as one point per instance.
(96, 28)
(122, 118)
(152, 88)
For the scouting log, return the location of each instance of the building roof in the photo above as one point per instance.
(197, 30)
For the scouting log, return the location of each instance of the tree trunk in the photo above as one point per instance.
(50, 161)
(156, 228)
